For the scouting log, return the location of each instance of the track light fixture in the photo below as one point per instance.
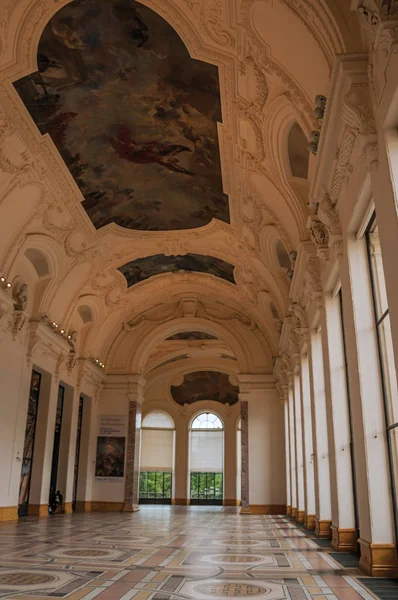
(96, 362)
(4, 283)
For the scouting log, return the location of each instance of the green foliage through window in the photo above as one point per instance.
(206, 486)
(155, 485)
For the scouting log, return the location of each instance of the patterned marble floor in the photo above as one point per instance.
(168, 553)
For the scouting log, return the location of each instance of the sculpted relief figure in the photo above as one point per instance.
(21, 297)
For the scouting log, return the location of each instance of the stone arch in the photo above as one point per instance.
(237, 341)
(39, 263)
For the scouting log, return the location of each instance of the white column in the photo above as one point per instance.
(344, 532)
(308, 459)
(67, 450)
(384, 181)
(299, 447)
(44, 444)
(267, 479)
(15, 378)
(292, 445)
(376, 522)
(287, 454)
(323, 519)
(88, 448)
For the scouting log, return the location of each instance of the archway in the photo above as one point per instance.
(157, 458)
(206, 459)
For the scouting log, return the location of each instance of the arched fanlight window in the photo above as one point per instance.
(207, 421)
(157, 419)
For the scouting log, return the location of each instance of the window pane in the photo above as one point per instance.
(143, 485)
(393, 440)
(207, 421)
(151, 485)
(202, 485)
(388, 366)
(195, 485)
(158, 420)
(219, 486)
(167, 485)
(376, 264)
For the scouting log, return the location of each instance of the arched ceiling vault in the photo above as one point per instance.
(212, 138)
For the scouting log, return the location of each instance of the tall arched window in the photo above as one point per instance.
(157, 458)
(206, 459)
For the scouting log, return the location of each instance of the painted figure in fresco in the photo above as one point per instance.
(133, 116)
(148, 152)
(205, 385)
(390, 7)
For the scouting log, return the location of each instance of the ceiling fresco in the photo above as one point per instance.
(192, 335)
(205, 385)
(132, 115)
(144, 268)
(390, 7)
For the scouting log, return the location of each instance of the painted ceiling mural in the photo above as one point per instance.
(192, 335)
(205, 385)
(144, 268)
(132, 115)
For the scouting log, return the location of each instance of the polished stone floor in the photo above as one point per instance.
(169, 553)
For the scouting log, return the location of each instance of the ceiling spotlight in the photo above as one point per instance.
(9, 284)
(293, 255)
(62, 331)
(69, 337)
(2, 279)
(290, 273)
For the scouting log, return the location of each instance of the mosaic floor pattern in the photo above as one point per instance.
(169, 553)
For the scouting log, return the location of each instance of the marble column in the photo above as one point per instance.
(135, 398)
(244, 412)
(181, 474)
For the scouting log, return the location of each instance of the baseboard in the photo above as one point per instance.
(264, 509)
(309, 522)
(378, 560)
(344, 540)
(8, 513)
(180, 501)
(83, 506)
(323, 528)
(38, 510)
(97, 506)
(231, 502)
(67, 508)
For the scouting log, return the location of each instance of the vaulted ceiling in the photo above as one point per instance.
(156, 174)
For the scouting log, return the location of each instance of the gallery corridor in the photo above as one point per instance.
(170, 553)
